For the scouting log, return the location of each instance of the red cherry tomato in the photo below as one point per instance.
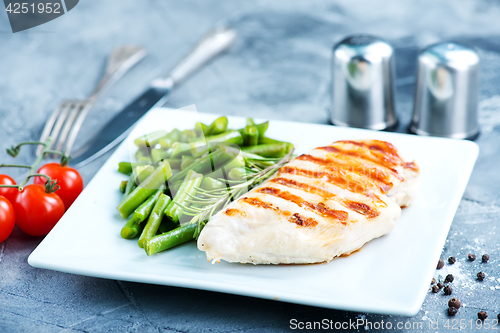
(37, 212)
(68, 179)
(7, 218)
(8, 192)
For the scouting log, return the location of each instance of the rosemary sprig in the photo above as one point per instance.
(205, 204)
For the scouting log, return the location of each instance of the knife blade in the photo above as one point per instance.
(115, 131)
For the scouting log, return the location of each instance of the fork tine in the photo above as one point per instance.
(76, 128)
(70, 120)
(61, 119)
(49, 125)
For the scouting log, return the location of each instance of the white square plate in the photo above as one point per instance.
(389, 275)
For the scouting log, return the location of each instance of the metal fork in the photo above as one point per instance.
(65, 122)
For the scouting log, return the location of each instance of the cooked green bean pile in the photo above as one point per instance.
(180, 174)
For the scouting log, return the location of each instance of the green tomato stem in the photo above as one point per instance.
(34, 166)
(11, 186)
(15, 166)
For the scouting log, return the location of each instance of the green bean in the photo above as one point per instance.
(207, 164)
(262, 128)
(208, 183)
(181, 148)
(186, 135)
(250, 136)
(266, 140)
(149, 140)
(154, 219)
(142, 212)
(182, 197)
(123, 186)
(142, 172)
(167, 225)
(269, 149)
(200, 129)
(175, 163)
(130, 186)
(186, 161)
(218, 126)
(238, 174)
(222, 171)
(200, 147)
(252, 156)
(160, 154)
(125, 168)
(161, 174)
(180, 235)
(168, 140)
(131, 229)
(142, 158)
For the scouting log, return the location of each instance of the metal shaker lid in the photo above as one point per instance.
(446, 94)
(362, 91)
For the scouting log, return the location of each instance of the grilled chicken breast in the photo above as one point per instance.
(323, 204)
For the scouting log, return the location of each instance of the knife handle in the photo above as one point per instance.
(216, 42)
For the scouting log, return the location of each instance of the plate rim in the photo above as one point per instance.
(35, 260)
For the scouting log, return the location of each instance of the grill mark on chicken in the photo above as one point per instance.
(355, 157)
(358, 207)
(387, 149)
(378, 176)
(412, 166)
(362, 208)
(256, 202)
(301, 186)
(234, 212)
(384, 147)
(372, 154)
(320, 208)
(259, 203)
(330, 149)
(335, 178)
(303, 221)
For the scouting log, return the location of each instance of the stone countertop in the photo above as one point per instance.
(278, 69)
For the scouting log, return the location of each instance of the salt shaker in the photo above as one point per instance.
(446, 94)
(362, 88)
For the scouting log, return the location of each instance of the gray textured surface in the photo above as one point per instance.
(278, 69)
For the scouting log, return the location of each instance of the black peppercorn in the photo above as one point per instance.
(435, 289)
(452, 311)
(452, 260)
(433, 281)
(440, 264)
(485, 258)
(454, 303)
(482, 315)
(448, 290)
(449, 278)
(481, 276)
(440, 285)
(471, 257)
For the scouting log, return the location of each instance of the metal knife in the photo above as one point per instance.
(119, 127)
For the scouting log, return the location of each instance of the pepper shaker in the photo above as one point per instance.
(446, 95)
(362, 89)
